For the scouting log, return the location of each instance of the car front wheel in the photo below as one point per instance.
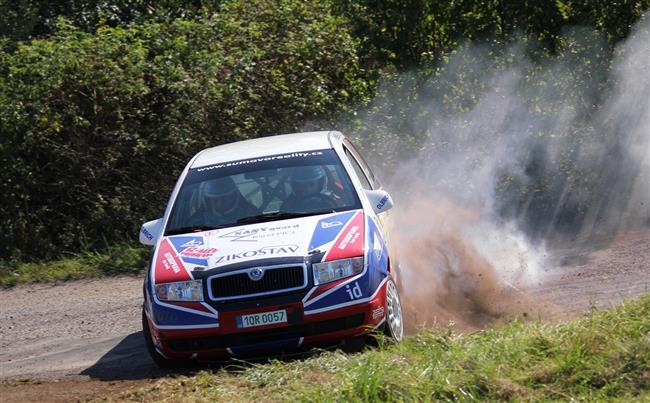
(394, 326)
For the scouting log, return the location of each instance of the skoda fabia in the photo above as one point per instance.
(270, 246)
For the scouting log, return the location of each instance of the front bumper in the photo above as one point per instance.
(302, 331)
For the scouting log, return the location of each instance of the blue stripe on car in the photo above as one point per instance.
(328, 228)
(183, 242)
(165, 316)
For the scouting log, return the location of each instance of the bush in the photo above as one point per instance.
(97, 126)
(408, 33)
(29, 19)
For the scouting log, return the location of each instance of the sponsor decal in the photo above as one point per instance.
(326, 232)
(261, 159)
(182, 242)
(330, 224)
(382, 202)
(255, 234)
(169, 267)
(354, 292)
(197, 252)
(350, 238)
(192, 249)
(169, 263)
(378, 313)
(263, 251)
(192, 242)
(350, 241)
(147, 234)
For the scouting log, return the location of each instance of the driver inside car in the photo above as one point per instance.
(222, 204)
(308, 190)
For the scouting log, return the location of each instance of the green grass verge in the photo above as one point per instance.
(602, 357)
(117, 260)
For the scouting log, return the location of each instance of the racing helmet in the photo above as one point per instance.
(221, 194)
(307, 180)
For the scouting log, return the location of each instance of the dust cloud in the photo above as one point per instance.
(552, 151)
(455, 268)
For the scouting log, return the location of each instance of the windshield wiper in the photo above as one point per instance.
(275, 215)
(193, 228)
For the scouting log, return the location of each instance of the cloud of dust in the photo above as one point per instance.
(456, 267)
(526, 165)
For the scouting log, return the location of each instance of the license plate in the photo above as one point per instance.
(261, 319)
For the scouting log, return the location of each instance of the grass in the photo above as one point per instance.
(604, 356)
(121, 259)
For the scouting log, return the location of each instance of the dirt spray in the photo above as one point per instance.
(529, 166)
(455, 268)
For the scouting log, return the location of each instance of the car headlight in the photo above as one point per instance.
(336, 269)
(180, 291)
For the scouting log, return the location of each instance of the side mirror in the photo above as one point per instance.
(150, 232)
(380, 200)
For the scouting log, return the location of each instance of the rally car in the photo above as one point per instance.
(269, 246)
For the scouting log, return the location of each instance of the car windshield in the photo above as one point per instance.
(262, 189)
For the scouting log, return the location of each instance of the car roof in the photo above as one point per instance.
(272, 145)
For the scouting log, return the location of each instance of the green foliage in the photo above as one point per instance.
(97, 126)
(613, 19)
(409, 33)
(604, 356)
(103, 102)
(30, 19)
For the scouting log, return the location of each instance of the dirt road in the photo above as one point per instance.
(598, 273)
(72, 341)
(82, 339)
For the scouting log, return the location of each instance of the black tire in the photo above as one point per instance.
(161, 362)
(394, 324)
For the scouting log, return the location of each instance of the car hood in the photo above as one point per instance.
(337, 235)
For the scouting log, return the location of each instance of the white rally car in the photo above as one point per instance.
(268, 246)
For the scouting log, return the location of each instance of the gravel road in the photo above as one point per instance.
(82, 339)
(599, 273)
(53, 330)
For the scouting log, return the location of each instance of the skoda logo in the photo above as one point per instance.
(256, 274)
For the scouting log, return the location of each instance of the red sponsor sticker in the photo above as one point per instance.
(198, 252)
(349, 242)
(168, 266)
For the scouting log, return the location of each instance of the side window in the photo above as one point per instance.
(365, 183)
(339, 185)
(187, 204)
(364, 165)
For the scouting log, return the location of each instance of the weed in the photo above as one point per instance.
(116, 260)
(604, 356)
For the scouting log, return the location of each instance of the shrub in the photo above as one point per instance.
(96, 126)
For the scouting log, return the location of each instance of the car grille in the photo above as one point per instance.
(276, 279)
